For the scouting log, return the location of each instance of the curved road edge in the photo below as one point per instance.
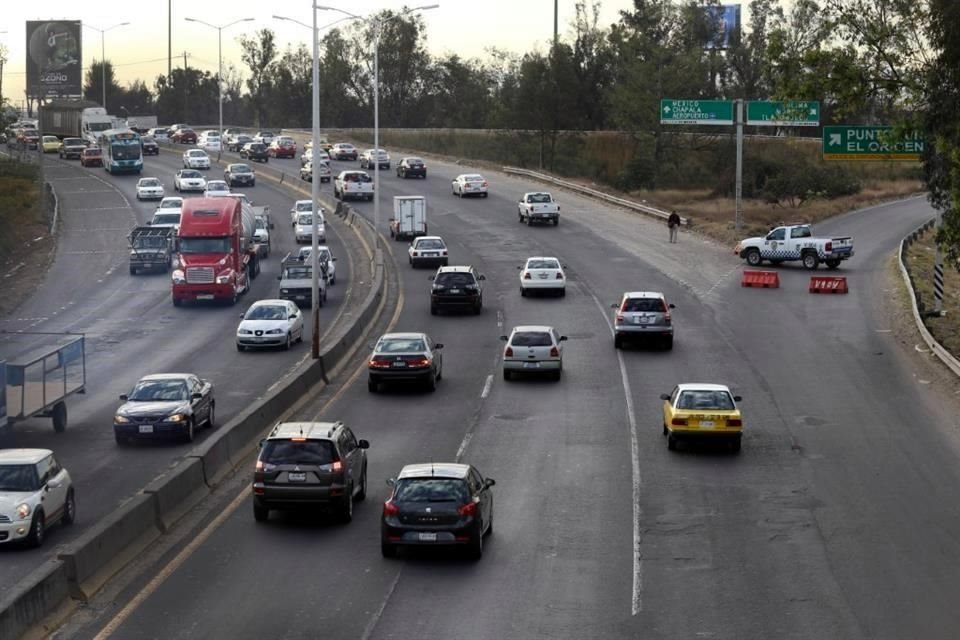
(86, 564)
(945, 356)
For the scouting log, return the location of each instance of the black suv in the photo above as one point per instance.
(256, 151)
(438, 503)
(456, 287)
(238, 173)
(309, 464)
(150, 146)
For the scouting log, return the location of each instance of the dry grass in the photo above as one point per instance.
(920, 260)
(25, 244)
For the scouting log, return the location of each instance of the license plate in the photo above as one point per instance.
(644, 320)
(542, 276)
(531, 365)
(399, 365)
(706, 423)
(300, 297)
(205, 296)
(431, 254)
(146, 428)
(147, 265)
(454, 290)
(428, 537)
(296, 477)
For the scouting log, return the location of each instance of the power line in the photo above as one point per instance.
(123, 64)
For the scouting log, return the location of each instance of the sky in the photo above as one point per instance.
(139, 50)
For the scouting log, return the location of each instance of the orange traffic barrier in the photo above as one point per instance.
(763, 279)
(828, 284)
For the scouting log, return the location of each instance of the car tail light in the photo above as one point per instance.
(337, 466)
(379, 362)
(828, 247)
(526, 276)
(679, 422)
(508, 352)
(554, 352)
(619, 319)
(259, 466)
(444, 252)
(390, 509)
(484, 183)
(468, 510)
(734, 422)
(419, 362)
(415, 254)
(559, 276)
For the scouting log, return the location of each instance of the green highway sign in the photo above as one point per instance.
(795, 113)
(856, 142)
(696, 112)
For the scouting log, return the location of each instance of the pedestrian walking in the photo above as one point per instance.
(673, 222)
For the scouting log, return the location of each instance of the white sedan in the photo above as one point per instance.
(308, 155)
(215, 188)
(469, 184)
(533, 349)
(210, 142)
(428, 250)
(303, 229)
(542, 274)
(196, 159)
(270, 323)
(149, 189)
(300, 206)
(171, 203)
(325, 255)
(189, 180)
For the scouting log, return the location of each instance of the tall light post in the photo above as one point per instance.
(377, 30)
(219, 67)
(2, 62)
(314, 180)
(103, 57)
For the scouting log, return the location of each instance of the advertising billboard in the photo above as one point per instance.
(54, 58)
(724, 19)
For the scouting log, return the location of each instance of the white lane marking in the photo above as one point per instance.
(499, 319)
(486, 386)
(368, 630)
(884, 330)
(463, 446)
(637, 599)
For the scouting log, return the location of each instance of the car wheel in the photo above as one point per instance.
(240, 347)
(668, 343)
(557, 375)
(485, 194)
(253, 183)
(523, 292)
(289, 341)
(431, 382)
(38, 529)
(671, 442)
(346, 509)
(563, 292)
(506, 375)
(373, 386)
(735, 444)
(811, 261)
(388, 550)
(665, 430)
(753, 258)
(477, 309)
(211, 417)
(476, 547)
(260, 513)
(433, 310)
(69, 509)
(833, 263)
(362, 494)
(556, 221)
(188, 433)
(133, 271)
(617, 342)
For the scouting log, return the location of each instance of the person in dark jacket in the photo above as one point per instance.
(673, 222)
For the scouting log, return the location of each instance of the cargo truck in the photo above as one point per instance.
(409, 219)
(218, 254)
(74, 119)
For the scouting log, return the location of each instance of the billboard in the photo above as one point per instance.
(54, 58)
(724, 20)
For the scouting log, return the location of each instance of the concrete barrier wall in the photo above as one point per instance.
(33, 597)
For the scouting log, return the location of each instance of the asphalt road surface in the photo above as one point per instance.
(132, 329)
(837, 520)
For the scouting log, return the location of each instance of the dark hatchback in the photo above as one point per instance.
(184, 136)
(256, 151)
(405, 357)
(411, 168)
(150, 146)
(437, 504)
(164, 405)
(456, 287)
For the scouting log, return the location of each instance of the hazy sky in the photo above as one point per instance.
(139, 50)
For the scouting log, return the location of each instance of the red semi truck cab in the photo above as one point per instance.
(217, 256)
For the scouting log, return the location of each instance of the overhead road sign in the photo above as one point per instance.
(791, 113)
(715, 112)
(855, 142)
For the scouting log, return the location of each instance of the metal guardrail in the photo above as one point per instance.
(945, 356)
(594, 193)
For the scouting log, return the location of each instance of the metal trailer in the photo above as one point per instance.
(38, 376)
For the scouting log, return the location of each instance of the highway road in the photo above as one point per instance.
(835, 521)
(132, 329)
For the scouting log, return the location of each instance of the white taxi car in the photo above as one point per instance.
(270, 323)
(543, 273)
(196, 159)
(149, 189)
(469, 184)
(35, 492)
(533, 349)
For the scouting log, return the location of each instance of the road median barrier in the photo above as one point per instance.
(33, 597)
(828, 284)
(177, 491)
(760, 279)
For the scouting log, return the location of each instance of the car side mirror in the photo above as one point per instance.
(363, 444)
(150, 222)
(504, 338)
(673, 306)
(482, 277)
(430, 277)
(124, 397)
(439, 345)
(292, 316)
(333, 259)
(615, 306)
(563, 338)
(664, 396)
(278, 278)
(391, 482)
(489, 482)
(737, 398)
(196, 396)
(260, 444)
(521, 268)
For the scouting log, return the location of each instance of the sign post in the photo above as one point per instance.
(856, 142)
(738, 220)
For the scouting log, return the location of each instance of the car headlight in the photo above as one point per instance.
(224, 279)
(23, 511)
(120, 419)
(273, 332)
(178, 277)
(177, 417)
(244, 332)
(284, 291)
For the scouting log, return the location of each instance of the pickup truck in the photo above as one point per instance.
(151, 248)
(538, 206)
(353, 184)
(795, 242)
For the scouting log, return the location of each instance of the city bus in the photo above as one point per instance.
(121, 151)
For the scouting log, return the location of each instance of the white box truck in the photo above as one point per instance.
(409, 217)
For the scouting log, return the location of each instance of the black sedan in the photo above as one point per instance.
(405, 357)
(256, 151)
(437, 503)
(239, 174)
(237, 142)
(150, 146)
(411, 168)
(165, 405)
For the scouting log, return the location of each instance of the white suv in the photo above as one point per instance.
(35, 491)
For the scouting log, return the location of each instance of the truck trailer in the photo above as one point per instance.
(74, 119)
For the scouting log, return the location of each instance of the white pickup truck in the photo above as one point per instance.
(353, 184)
(795, 242)
(538, 206)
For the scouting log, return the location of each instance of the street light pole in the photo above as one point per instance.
(103, 57)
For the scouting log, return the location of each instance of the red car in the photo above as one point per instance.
(91, 157)
(283, 148)
(184, 136)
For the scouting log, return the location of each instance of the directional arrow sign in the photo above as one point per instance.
(870, 143)
(784, 114)
(696, 112)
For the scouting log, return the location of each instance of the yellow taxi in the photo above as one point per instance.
(702, 411)
(50, 144)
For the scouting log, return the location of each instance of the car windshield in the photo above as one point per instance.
(159, 390)
(240, 168)
(304, 205)
(643, 304)
(305, 218)
(297, 273)
(190, 174)
(166, 218)
(125, 151)
(217, 185)
(91, 152)
(51, 139)
(257, 147)
(67, 142)
(455, 279)
(531, 339)
(204, 245)
(196, 153)
(414, 161)
(149, 182)
(539, 198)
(430, 244)
(401, 345)
(171, 203)
(267, 312)
(308, 452)
(705, 400)
(356, 177)
(19, 477)
(147, 139)
(543, 264)
(473, 178)
(430, 490)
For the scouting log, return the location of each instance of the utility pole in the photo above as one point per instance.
(555, 2)
(938, 269)
(169, 39)
(739, 187)
(184, 86)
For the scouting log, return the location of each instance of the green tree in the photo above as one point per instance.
(339, 106)
(93, 84)
(187, 95)
(292, 88)
(259, 52)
